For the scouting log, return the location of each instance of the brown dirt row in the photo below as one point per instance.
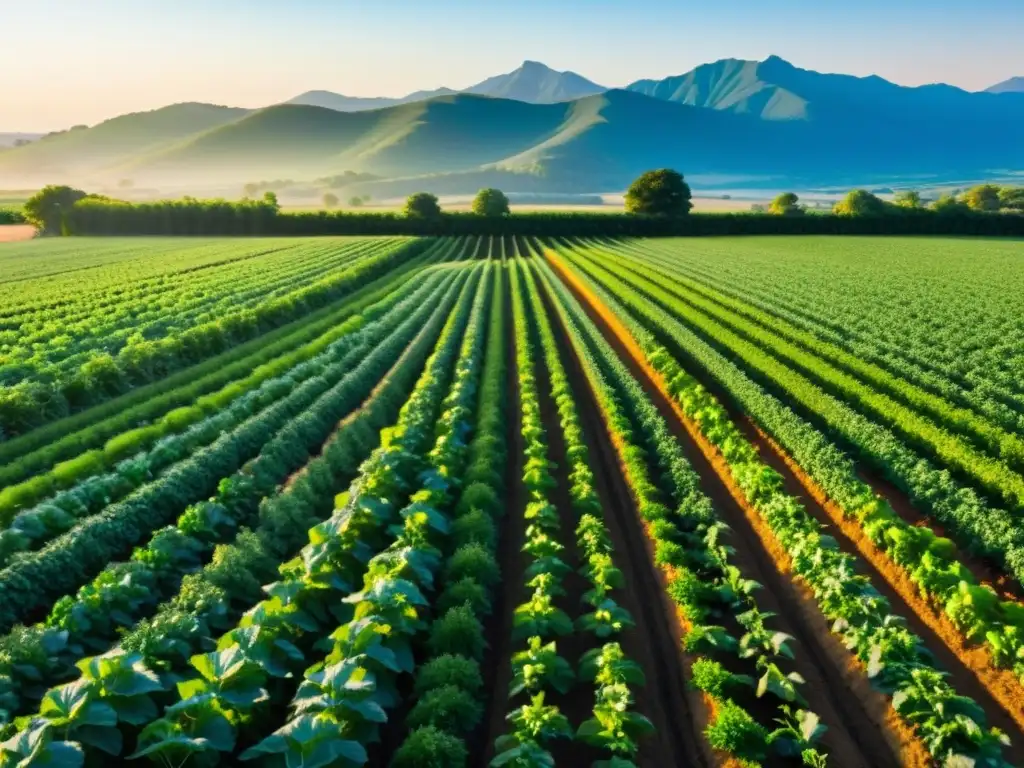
(655, 641)
(12, 233)
(863, 729)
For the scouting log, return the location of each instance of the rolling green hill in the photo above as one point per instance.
(768, 123)
(84, 150)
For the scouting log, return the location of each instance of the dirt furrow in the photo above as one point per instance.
(655, 641)
(863, 729)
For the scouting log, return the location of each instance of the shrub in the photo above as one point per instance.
(430, 747)
(736, 732)
(458, 632)
(466, 591)
(449, 708)
(450, 670)
(474, 561)
(474, 527)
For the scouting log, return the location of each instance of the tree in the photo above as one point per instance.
(422, 205)
(860, 202)
(331, 200)
(909, 198)
(1012, 199)
(950, 204)
(46, 208)
(663, 192)
(251, 189)
(786, 204)
(490, 202)
(270, 198)
(984, 197)
(356, 202)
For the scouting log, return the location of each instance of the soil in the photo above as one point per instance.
(12, 233)
(655, 641)
(862, 728)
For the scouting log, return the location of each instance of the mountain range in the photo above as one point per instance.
(538, 130)
(1013, 85)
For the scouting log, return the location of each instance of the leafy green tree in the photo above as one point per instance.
(490, 202)
(422, 205)
(356, 202)
(1012, 199)
(663, 192)
(860, 202)
(46, 209)
(786, 204)
(270, 198)
(984, 197)
(950, 204)
(331, 200)
(909, 198)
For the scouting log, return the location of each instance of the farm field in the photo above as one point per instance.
(512, 501)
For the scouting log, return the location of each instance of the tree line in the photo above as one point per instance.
(658, 203)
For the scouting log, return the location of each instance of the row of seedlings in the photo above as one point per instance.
(163, 650)
(343, 702)
(449, 684)
(951, 726)
(904, 551)
(615, 728)
(691, 550)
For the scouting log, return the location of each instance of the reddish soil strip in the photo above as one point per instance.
(13, 233)
(973, 673)
(983, 569)
(655, 641)
(511, 560)
(863, 729)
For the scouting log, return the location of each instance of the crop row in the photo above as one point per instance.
(276, 635)
(929, 561)
(854, 352)
(201, 389)
(895, 658)
(125, 592)
(31, 403)
(691, 550)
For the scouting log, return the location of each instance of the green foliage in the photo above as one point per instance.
(422, 205)
(663, 192)
(490, 202)
(447, 669)
(737, 733)
(950, 205)
(449, 708)
(48, 209)
(430, 747)
(1012, 199)
(786, 204)
(473, 561)
(984, 197)
(909, 198)
(458, 632)
(860, 202)
(330, 200)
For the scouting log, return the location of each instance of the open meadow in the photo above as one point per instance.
(446, 501)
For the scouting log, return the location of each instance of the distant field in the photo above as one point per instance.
(12, 233)
(455, 457)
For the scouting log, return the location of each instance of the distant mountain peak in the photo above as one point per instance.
(1013, 85)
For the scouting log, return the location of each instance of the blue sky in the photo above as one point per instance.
(81, 61)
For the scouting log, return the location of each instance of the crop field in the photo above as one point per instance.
(512, 501)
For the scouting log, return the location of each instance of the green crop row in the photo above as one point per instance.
(896, 660)
(305, 600)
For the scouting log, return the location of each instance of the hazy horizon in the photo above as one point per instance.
(88, 63)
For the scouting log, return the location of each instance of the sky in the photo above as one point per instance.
(68, 62)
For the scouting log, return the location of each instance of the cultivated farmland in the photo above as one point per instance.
(423, 502)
